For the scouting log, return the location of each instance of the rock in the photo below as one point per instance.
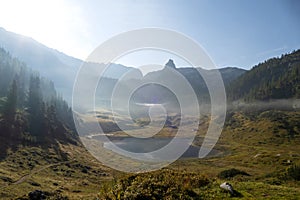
(6, 179)
(34, 183)
(37, 195)
(170, 64)
(228, 187)
(40, 195)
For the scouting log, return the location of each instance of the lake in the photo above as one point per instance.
(142, 146)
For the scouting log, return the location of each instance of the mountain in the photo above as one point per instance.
(50, 63)
(228, 73)
(193, 76)
(276, 78)
(62, 69)
(116, 71)
(156, 93)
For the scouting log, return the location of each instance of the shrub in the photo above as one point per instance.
(156, 185)
(230, 173)
(293, 172)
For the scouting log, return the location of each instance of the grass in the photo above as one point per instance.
(32, 168)
(169, 184)
(259, 145)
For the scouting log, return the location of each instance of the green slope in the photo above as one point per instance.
(276, 78)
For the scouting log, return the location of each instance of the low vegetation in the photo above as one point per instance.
(230, 173)
(293, 172)
(163, 184)
(71, 173)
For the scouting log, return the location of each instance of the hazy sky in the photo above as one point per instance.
(233, 32)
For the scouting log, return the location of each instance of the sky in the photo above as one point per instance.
(235, 33)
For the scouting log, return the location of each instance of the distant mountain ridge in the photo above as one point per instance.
(194, 77)
(50, 63)
(54, 65)
(62, 69)
(191, 73)
(275, 78)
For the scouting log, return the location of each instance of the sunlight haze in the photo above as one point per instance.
(227, 30)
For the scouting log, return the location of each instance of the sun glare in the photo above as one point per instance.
(54, 23)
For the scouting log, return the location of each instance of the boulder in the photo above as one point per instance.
(228, 187)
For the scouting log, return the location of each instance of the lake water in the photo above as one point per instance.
(145, 145)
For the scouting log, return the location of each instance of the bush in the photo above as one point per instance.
(156, 185)
(293, 172)
(230, 173)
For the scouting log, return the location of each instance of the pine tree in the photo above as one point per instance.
(11, 103)
(35, 106)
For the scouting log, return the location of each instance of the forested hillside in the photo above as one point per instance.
(276, 78)
(31, 112)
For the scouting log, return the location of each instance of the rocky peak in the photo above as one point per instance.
(170, 64)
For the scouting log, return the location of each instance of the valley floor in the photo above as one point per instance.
(260, 159)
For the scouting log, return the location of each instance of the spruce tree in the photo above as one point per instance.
(35, 106)
(11, 103)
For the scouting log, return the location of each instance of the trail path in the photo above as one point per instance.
(23, 178)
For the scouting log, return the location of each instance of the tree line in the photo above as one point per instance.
(30, 108)
(276, 78)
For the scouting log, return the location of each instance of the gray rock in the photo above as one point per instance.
(228, 187)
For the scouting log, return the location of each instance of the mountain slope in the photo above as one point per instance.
(54, 65)
(50, 63)
(193, 76)
(276, 78)
(31, 112)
